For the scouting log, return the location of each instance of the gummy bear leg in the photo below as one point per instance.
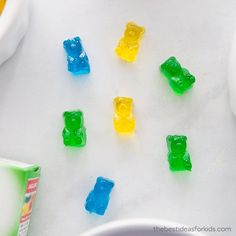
(90, 203)
(187, 162)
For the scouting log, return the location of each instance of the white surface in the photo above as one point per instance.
(36, 88)
(14, 21)
(232, 76)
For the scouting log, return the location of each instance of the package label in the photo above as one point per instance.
(30, 195)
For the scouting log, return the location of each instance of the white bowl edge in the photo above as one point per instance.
(139, 223)
(13, 25)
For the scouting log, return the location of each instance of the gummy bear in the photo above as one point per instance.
(98, 199)
(77, 59)
(74, 133)
(178, 157)
(2, 4)
(128, 45)
(179, 78)
(124, 121)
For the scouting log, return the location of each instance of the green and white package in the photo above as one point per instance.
(18, 185)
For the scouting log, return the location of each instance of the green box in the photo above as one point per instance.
(18, 185)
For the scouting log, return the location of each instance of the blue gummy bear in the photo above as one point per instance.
(77, 59)
(98, 198)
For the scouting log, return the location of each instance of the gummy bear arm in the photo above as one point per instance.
(168, 141)
(187, 161)
(186, 157)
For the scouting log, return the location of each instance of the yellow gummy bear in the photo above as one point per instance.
(2, 4)
(124, 121)
(128, 46)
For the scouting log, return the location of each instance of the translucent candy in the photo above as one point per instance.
(128, 45)
(178, 157)
(77, 59)
(98, 199)
(179, 78)
(74, 133)
(2, 4)
(124, 121)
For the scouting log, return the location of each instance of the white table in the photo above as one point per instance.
(36, 88)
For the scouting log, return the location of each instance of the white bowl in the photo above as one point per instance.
(13, 25)
(139, 227)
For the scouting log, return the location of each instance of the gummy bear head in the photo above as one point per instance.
(133, 32)
(123, 106)
(103, 185)
(177, 144)
(73, 119)
(172, 67)
(73, 46)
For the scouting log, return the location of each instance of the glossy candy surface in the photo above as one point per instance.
(180, 80)
(77, 59)
(98, 199)
(124, 121)
(2, 4)
(74, 133)
(128, 45)
(178, 156)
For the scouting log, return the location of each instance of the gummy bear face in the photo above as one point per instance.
(177, 144)
(133, 32)
(172, 67)
(73, 46)
(103, 185)
(73, 119)
(123, 106)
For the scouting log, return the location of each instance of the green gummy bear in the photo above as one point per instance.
(178, 157)
(179, 78)
(74, 133)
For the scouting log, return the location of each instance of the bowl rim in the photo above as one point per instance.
(137, 223)
(9, 15)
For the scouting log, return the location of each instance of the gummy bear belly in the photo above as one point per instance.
(127, 52)
(76, 138)
(123, 125)
(179, 162)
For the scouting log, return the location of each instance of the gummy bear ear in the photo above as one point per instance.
(80, 113)
(65, 43)
(168, 138)
(130, 102)
(142, 30)
(172, 58)
(129, 24)
(77, 39)
(192, 79)
(65, 113)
